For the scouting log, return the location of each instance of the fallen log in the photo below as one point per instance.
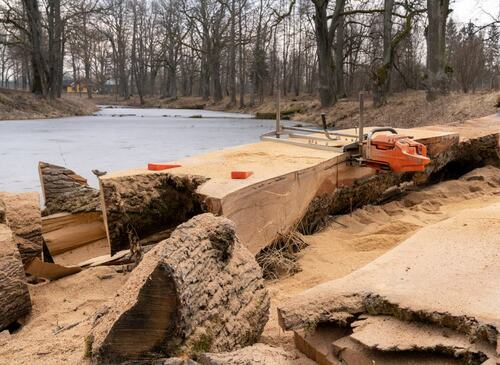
(66, 191)
(199, 290)
(15, 299)
(23, 216)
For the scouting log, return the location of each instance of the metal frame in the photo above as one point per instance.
(311, 141)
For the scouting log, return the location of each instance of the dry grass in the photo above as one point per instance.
(279, 259)
(16, 104)
(405, 109)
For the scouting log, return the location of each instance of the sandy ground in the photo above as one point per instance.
(16, 105)
(405, 109)
(63, 310)
(352, 241)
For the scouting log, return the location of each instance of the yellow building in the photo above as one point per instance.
(76, 87)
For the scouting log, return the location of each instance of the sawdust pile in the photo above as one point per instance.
(352, 241)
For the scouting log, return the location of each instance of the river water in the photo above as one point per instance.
(116, 138)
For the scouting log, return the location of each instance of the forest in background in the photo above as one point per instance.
(245, 50)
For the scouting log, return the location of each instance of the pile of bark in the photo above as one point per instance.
(434, 299)
(198, 291)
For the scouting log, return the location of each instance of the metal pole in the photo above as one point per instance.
(360, 127)
(278, 110)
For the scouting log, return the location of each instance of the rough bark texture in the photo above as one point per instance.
(464, 157)
(23, 216)
(2, 212)
(449, 161)
(258, 354)
(14, 295)
(200, 290)
(347, 198)
(145, 204)
(66, 191)
(436, 77)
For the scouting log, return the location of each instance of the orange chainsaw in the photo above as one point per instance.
(393, 152)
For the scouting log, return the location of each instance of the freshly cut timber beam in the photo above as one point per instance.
(23, 216)
(199, 290)
(285, 180)
(66, 191)
(15, 299)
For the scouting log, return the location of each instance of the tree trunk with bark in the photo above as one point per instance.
(200, 290)
(339, 60)
(436, 78)
(325, 27)
(15, 300)
(39, 81)
(382, 76)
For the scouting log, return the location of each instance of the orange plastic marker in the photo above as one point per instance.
(241, 174)
(161, 166)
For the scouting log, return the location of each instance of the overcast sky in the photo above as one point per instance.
(474, 10)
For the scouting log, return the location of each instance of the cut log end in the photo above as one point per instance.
(145, 326)
(199, 290)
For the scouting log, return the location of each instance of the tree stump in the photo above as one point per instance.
(23, 216)
(199, 290)
(14, 295)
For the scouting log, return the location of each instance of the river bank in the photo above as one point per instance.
(406, 109)
(17, 105)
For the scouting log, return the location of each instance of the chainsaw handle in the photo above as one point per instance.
(381, 129)
(370, 135)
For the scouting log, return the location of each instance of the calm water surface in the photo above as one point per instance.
(114, 139)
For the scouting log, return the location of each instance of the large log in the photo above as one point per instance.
(14, 295)
(66, 191)
(199, 290)
(271, 202)
(23, 216)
